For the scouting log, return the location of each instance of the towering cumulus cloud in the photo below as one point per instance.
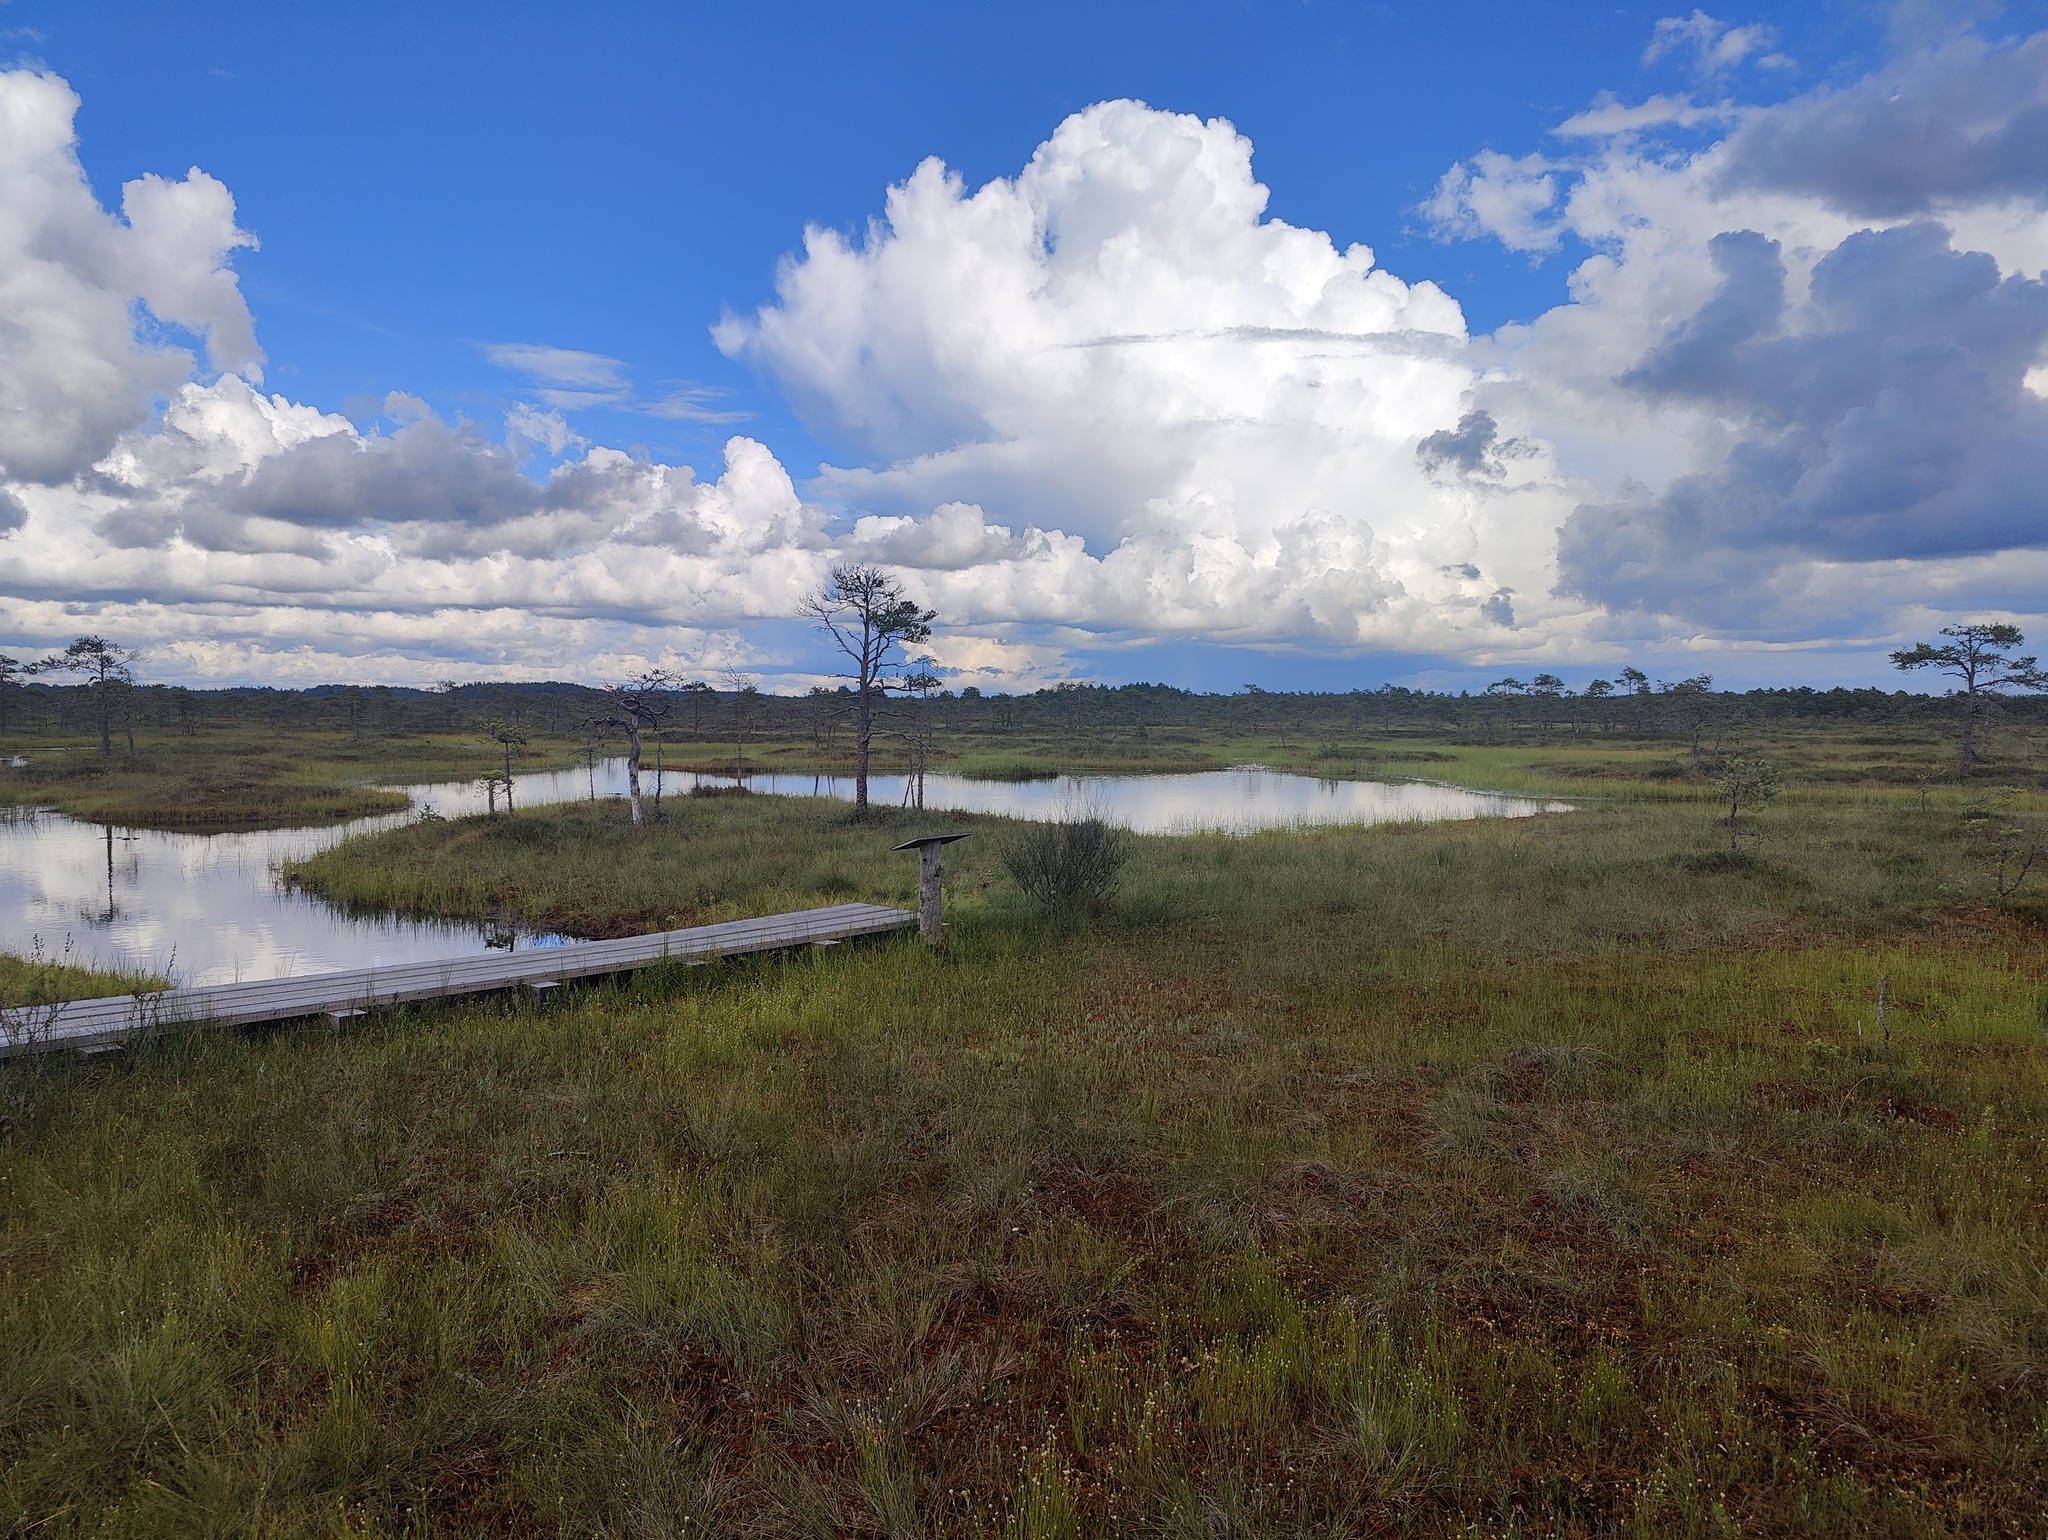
(1204, 421)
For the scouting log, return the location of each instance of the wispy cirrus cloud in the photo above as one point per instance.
(1714, 46)
(570, 379)
(564, 377)
(692, 403)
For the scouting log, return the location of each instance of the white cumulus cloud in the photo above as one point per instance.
(1176, 415)
(166, 499)
(1798, 358)
(75, 372)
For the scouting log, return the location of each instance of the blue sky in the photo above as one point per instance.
(431, 184)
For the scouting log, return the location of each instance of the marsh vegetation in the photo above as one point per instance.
(1548, 1176)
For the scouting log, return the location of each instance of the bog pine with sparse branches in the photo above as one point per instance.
(108, 670)
(1977, 658)
(866, 613)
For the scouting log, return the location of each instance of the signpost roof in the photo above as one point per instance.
(930, 839)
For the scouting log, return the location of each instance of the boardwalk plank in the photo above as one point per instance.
(86, 1024)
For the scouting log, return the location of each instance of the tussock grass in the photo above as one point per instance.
(1512, 1178)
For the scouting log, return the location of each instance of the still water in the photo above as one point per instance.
(208, 909)
(1240, 801)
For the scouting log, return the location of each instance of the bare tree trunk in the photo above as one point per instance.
(633, 770)
(1969, 761)
(863, 728)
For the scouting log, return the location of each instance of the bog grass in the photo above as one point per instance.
(583, 868)
(1541, 1177)
(45, 979)
(241, 778)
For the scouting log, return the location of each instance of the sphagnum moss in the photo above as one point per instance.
(1510, 1178)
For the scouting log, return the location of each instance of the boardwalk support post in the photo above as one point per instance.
(928, 846)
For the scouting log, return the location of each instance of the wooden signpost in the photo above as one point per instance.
(928, 847)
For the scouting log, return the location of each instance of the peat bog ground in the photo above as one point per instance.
(1549, 1176)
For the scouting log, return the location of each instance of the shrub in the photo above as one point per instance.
(1072, 864)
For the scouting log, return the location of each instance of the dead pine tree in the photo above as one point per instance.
(635, 707)
(746, 702)
(1976, 657)
(508, 736)
(920, 684)
(864, 611)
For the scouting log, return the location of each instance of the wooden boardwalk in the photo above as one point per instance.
(90, 1024)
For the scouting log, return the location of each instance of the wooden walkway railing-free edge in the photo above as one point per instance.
(92, 1024)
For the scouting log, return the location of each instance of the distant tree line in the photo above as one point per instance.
(39, 707)
(91, 686)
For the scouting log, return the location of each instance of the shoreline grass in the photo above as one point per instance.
(583, 869)
(38, 980)
(1818, 867)
(222, 782)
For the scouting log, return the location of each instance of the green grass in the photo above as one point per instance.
(1549, 1177)
(584, 869)
(1631, 871)
(248, 777)
(40, 980)
(218, 780)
